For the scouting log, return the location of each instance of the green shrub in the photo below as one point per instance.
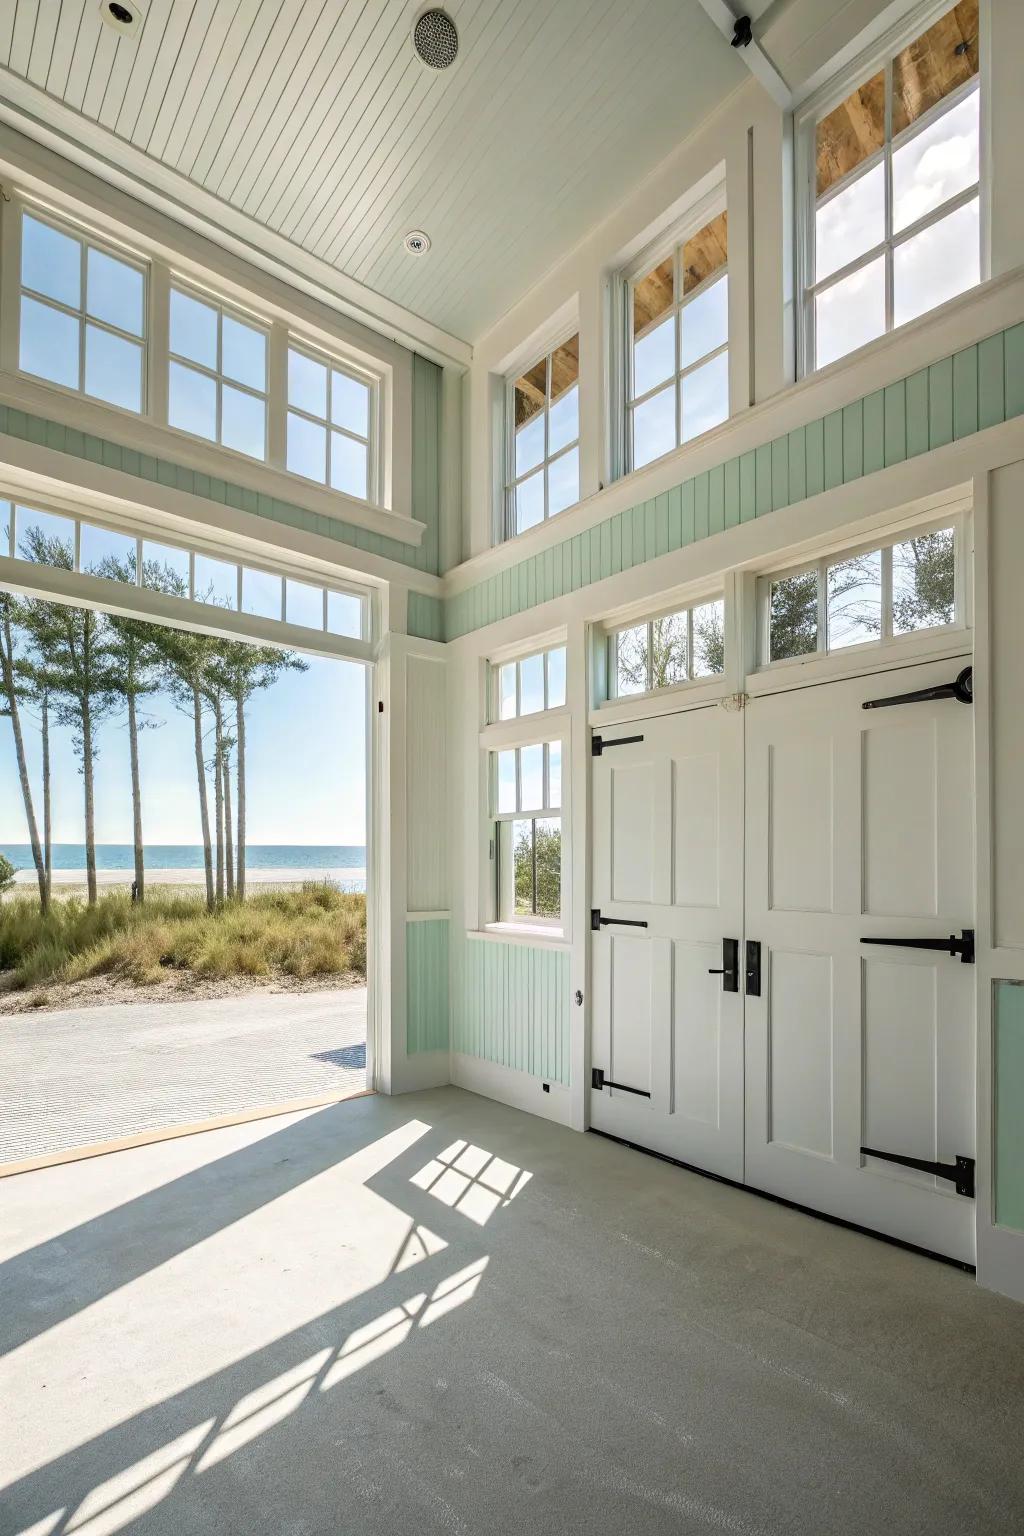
(7, 874)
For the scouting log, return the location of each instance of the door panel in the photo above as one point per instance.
(800, 1072)
(801, 791)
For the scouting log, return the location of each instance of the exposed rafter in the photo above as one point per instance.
(734, 25)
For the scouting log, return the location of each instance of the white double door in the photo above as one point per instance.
(806, 824)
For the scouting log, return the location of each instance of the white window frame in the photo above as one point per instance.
(553, 927)
(217, 374)
(612, 632)
(511, 481)
(871, 62)
(87, 240)
(887, 644)
(669, 242)
(494, 669)
(373, 415)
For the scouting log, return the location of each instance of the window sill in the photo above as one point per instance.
(953, 643)
(147, 437)
(531, 934)
(660, 701)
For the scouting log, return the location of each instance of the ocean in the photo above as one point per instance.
(343, 862)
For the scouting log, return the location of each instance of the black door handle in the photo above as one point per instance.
(729, 970)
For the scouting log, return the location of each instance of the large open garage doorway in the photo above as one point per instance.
(183, 836)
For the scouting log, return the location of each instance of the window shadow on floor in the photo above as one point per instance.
(345, 1056)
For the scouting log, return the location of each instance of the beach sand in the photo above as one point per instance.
(73, 879)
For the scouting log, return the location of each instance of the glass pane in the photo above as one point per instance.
(261, 594)
(654, 357)
(653, 295)
(850, 313)
(529, 444)
(631, 660)
(164, 568)
(243, 353)
(937, 264)
(705, 252)
(306, 453)
(531, 684)
(307, 383)
(114, 291)
(529, 397)
(654, 427)
(564, 482)
(345, 615)
(304, 604)
(193, 329)
(44, 537)
(793, 616)
(243, 422)
(924, 582)
(507, 691)
(529, 502)
(348, 465)
(548, 846)
(930, 67)
(936, 164)
(350, 403)
(506, 782)
(851, 133)
(564, 420)
(522, 866)
(554, 774)
(556, 677)
(192, 401)
(668, 650)
(531, 778)
(709, 639)
(704, 322)
(853, 596)
(51, 262)
(706, 397)
(106, 553)
(113, 368)
(49, 343)
(6, 528)
(850, 223)
(216, 582)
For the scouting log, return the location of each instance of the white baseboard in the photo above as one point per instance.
(518, 1089)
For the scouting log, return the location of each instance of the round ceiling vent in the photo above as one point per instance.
(436, 39)
(417, 242)
(123, 16)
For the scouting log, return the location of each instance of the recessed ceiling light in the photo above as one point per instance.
(123, 16)
(417, 242)
(436, 39)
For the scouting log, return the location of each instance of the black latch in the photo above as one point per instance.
(598, 1080)
(752, 985)
(729, 970)
(962, 946)
(598, 745)
(960, 1173)
(597, 922)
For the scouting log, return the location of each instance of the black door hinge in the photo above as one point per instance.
(962, 946)
(598, 745)
(598, 1080)
(961, 689)
(960, 1173)
(597, 922)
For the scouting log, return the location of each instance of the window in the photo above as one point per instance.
(82, 315)
(863, 598)
(529, 685)
(894, 179)
(680, 647)
(217, 381)
(544, 439)
(678, 318)
(527, 800)
(328, 429)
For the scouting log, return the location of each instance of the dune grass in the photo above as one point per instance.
(315, 931)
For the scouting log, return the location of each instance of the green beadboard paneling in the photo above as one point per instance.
(1009, 1105)
(425, 616)
(732, 492)
(510, 1005)
(427, 1001)
(833, 450)
(917, 413)
(940, 403)
(1013, 350)
(965, 392)
(991, 382)
(874, 432)
(853, 441)
(814, 456)
(780, 473)
(748, 487)
(797, 465)
(762, 479)
(896, 423)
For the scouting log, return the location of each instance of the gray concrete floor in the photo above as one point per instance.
(78, 1076)
(435, 1314)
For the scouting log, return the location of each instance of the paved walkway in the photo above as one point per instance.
(93, 1074)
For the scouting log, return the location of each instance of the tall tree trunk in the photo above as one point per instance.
(47, 802)
(240, 754)
(218, 793)
(90, 805)
(229, 852)
(7, 678)
(133, 753)
(204, 809)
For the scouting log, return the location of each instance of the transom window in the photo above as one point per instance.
(895, 191)
(675, 648)
(864, 598)
(678, 317)
(528, 685)
(543, 475)
(217, 382)
(329, 415)
(526, 787)
(82, 315)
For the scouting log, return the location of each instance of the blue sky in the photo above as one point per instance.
(305, 768)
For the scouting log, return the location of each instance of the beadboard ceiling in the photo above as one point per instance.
(315, 119)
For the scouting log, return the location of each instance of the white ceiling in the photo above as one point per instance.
(315, 118)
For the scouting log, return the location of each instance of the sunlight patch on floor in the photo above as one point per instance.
(471, 1180)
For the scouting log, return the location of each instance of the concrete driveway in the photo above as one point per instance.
(71, 1078)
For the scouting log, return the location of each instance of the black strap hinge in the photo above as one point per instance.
(962, 946)
(598, 1080)
(960, 1172)
(597, 922)
(598, 745)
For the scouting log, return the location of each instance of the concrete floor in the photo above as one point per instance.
(78, 1076)
(436, 1314)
